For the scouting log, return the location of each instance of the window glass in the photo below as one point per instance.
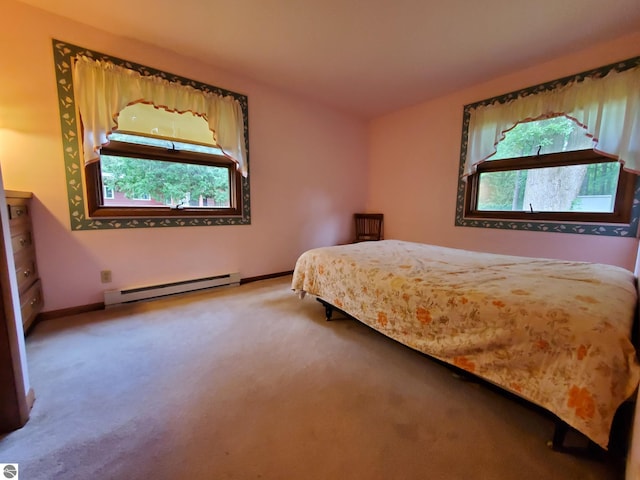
(539, 137)
(548, 167)
(571, 188)
(155, 183)
(148, 120)
(164, 143)
(145, 179)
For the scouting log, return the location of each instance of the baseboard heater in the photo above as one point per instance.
(117, 297)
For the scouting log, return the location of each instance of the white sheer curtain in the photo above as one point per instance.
(103, 89)
(608, 107)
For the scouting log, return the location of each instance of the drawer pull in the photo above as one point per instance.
(33, 302)
(19, 212)
(27, 273)
(23, 241)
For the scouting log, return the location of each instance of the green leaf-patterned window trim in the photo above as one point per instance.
(63, 54)
(614, 230)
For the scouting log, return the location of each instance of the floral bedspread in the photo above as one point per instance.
(553, 332)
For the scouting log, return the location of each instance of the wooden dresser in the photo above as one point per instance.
(24, 254)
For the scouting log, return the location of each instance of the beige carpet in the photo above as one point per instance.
(253, 383)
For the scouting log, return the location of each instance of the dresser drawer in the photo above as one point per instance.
(30, 304)
(21, 238)
(26, 269)
(18, 212)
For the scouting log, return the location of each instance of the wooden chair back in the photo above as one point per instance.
(368, 226)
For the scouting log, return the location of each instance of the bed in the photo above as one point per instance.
(556, 333)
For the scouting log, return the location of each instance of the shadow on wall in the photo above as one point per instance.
(324, 225)
(67, 267)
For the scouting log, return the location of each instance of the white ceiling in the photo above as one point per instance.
(366, 57)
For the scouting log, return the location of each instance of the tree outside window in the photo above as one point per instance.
(546, 167)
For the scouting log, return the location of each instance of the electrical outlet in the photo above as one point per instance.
(105, 276)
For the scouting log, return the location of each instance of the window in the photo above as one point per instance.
(160, 163)
(104, 153)
(547, 170)
(108, 193)
(563, 156)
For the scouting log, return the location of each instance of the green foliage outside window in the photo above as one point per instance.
(505, 190)
(545, 136)
(166, 182)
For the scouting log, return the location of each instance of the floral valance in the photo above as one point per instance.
(608, 107)
(103, 89)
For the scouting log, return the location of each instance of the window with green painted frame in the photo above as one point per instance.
(206, 177)
(563, 156)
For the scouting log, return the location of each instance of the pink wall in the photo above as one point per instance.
(308, 172)
(417, 150)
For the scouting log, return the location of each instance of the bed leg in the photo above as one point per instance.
(559, 434)
(557, 444)
(328, 309)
